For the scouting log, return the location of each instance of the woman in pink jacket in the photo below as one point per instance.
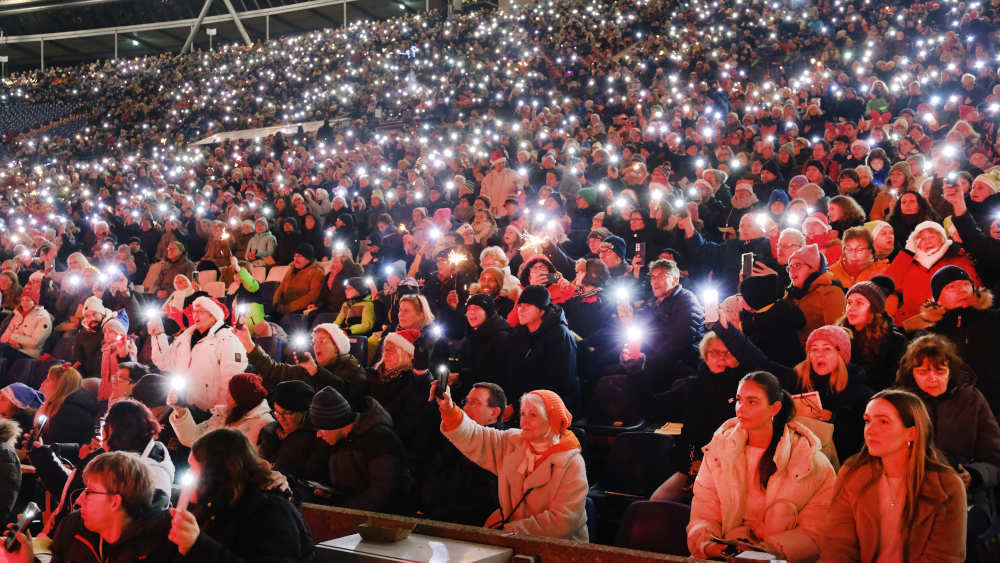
(763, 479)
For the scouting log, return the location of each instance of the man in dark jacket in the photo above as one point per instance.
(459, 490)
(438, 287)
(970, 322)
(290, 443)
(722, 260)
(330, 364)
(367, 467)
(542, 351)
(670, 325)
(116, 522)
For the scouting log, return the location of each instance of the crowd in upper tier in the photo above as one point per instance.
(774, 223)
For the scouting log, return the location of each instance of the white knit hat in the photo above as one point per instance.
(94, 304)
(340, 340)
(933, 225)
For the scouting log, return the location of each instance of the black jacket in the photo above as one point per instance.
(973, 330)
(413, 418)
(775, 331)
(674, 327)
(458, 490)
(544, 359)
(262, 527)
(299, 455)
(74, 421)
(87, 351)
(482, 354)
(880, 367)
(367, 470)
(144, 540)
(10, 480)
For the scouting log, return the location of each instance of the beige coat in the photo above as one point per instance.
(556, 505)
(804, 482)
(852, 524)
(29, 331)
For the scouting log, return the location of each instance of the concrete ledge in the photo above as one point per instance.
(329, 522)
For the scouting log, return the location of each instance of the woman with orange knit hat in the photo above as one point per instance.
(540, 473)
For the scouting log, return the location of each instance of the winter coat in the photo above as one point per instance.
(74, 421)
(722, 260)
(250, 424)
(331, 295)
(28, 330)
(674, 327)
(973, 330)
(299, 288)
(775, 331)
(10, 480)
(145, 539)
(367, 469)
(803, 480)
(261, 245)
(984, 249)
(544, 359)
(357, 316)
(913, 281)
(413, 417)
(702, 403)
(169, 270)
(458, 490)
(259, 526)
(549, 501)
(852, 523)
(344, 374)
(966, 430)
(300, 454)
(87, 351)
(821, 302)
(483, 353)
(879, 368)
(208, 366)
(847, 407)
(847, 280)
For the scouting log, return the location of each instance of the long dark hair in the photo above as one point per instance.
(133, 426)
(229, 466)
(775, 394)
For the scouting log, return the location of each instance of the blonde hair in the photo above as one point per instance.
(496, 253)
(838, 377)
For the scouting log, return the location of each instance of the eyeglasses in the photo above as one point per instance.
(79, 494)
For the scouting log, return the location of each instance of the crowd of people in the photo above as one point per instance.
(775, 223)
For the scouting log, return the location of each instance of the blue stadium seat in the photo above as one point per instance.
(359, 349)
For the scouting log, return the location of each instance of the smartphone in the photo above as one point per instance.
(30, 511)
(551, 278)
(442, 382)
(747, 268)
(640, 251)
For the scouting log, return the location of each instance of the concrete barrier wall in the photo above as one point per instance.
(329, 522)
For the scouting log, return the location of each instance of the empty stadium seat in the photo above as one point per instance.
(655, 526)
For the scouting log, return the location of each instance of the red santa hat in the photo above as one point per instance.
(403, 339)
(497, 156)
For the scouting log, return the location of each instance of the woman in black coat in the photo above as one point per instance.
(236, 515)
(770, 322)
(965, 429)
(482, 354)
(289, 237)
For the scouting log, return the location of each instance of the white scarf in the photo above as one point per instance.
(533, 451)
(929, 259)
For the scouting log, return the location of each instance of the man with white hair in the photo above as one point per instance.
(206, 355)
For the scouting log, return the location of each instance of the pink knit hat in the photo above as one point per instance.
(808, 255)
(836, 336)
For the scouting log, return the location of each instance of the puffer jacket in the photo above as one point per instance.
(549, 501)
(804, 480)
(821, 301)
(250, 424)
(208, 366)
(852, 526)
(29, 330)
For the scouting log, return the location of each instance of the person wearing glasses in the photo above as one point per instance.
(117, 520)
(812, 290)
(129, 426)
(290, 443)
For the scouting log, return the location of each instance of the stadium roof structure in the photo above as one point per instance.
(75, 31)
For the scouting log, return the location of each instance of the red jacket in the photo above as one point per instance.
(913, 281)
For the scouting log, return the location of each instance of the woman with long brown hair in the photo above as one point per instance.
(897, 499)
